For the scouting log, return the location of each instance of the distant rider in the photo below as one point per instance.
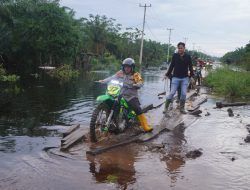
(197, 71)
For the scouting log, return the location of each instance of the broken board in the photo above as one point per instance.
(196, 103)
(74, 135)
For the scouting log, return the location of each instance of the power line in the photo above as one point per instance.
(154, 17)
(185, 39)
(131, 26)
(193, 46)
(220, 42)
(152, 32)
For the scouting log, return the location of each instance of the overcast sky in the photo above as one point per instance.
(215, 26)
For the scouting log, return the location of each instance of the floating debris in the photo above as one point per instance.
(221, 104)
(247, 139)
(248, 128)
(194, 154)
(230, 112)
(207, 114)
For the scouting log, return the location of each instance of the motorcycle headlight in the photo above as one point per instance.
(113, 90)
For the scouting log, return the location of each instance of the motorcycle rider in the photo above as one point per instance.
(132, 81)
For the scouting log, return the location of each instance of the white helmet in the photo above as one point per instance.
(128, 62)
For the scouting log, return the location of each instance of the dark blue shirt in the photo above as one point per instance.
(180, 66)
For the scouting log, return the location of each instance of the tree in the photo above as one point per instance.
(38, 32)
(98, 32)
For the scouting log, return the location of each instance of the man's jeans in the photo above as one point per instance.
(174, 86)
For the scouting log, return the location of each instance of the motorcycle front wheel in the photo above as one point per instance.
(98, 120)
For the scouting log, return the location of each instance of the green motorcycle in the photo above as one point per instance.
(113, 114)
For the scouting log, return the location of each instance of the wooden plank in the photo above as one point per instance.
(191, 94)
(196, 104)
(75, 137)
(201, 101)
(70, 135)
(104, 149)
(195, 112)
(149, 136)
(221, 104)
(71, 129)
(171, 120)
(46, 67)
(147, 108)
(191, 108)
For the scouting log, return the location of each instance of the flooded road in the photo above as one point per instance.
(35, 119)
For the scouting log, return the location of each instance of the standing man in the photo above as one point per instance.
(180, 65)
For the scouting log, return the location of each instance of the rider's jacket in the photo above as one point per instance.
(131, 84)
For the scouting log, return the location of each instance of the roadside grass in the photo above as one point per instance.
(231, 84)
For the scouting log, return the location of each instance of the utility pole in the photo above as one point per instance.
(185, 40)
(170, 30)
(193, 49)
(142, 33)
(199, 51)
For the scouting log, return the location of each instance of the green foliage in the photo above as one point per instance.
(245, 60)
(2, 71)
(99, 31)
(202, 55)
(234, 56)
(240, 57)
(155, 53)
(112, 63)
(4, 77)
(112, 178)
(38, 32)
(229, 83)
(12, 90)
(8, 86)
(109, 62)
(10, 78)
(64, 73)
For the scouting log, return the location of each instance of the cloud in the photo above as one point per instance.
(216, 26)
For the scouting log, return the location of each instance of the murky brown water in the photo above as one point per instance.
(25, 164)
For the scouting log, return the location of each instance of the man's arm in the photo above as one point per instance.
(171, 67)
(115, 76)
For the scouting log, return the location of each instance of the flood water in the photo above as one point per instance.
(35, 118)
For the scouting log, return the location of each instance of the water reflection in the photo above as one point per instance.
(7, 145)
(174, 163)
(174, 159)
(115, 167)
(46, 102)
